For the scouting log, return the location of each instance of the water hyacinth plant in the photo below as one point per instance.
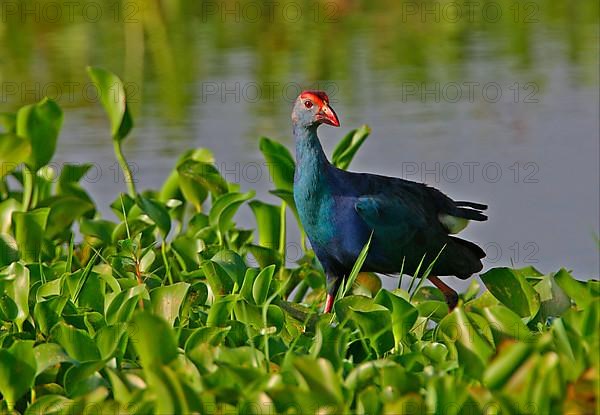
(172, 308)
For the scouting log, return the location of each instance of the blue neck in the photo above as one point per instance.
(310, 157)
(313, 187)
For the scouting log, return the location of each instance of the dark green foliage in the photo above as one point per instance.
(165, 310)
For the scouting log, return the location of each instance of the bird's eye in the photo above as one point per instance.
(308, 104)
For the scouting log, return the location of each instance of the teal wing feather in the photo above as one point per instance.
(393, 219)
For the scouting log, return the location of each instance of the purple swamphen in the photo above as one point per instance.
(408, 221)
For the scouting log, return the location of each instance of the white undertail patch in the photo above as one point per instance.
(452, 224)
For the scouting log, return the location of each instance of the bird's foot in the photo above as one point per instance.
(450, 295)
(451, 300)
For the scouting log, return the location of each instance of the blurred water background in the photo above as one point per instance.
(490, 101)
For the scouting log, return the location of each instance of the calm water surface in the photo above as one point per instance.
(501, 111)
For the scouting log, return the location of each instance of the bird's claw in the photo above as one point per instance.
(451, 300)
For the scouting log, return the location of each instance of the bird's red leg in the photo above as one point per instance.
(329, 303)
(331, 293)
(449, 293)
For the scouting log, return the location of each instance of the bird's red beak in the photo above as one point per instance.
(328, 116)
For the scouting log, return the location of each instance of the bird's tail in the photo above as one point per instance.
(465, 258)
(473, 248)
(471, 205)
(470, 210)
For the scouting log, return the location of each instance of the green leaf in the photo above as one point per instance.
(49, 289)
(91, 294)
(98, 228)
(362, 373)
(534, 384)
(575, 289)
(367, 283)
(374, 322)
(330, 343)
(8, 121)
(111, 92)
(288, 197)
(590, 321)
(450, 393)
(346, 149)
(119, 385)
(343, 307)
(76, 342)
(123, 204)
(505, 323)
(29, 231)
(561, 338)
(17, 371)
(280, 163)
(232, 264)
(321, 379)
(9, 251)
(157, 212)
(170, 390)
(43, 184)
(248, 284)
(187, 251)
(436, 352)
(84, 378)
(264, 256)
(506, 364)
(16, 286)
(48, 312)
(109, 338)
(72, 173)
(7, 207)
(171, 188)
(48, 355)
(51, 405)
(64, 210)
(123, 305)
(512, 290)
(220, 311)
(398, 380)
(8, 308)
(166, 301)
(40, 124)
(410, 403)
(197, 179)
(135, 227)
(211, 335)
(431, 303)
(268, 222)
(252, 316)
(84, 280)
(404, 315)
(14, 150)
(473, 350)
(554, 300)
(481, 325)
(368, 401)
(260, 288)
(219, 280)
(223, 210)
(153, 340)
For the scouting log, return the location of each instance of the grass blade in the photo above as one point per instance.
(427, 272)
(357, 267)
